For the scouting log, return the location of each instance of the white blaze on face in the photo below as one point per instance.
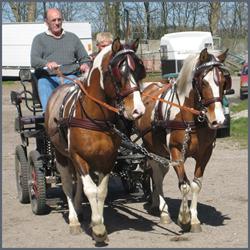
(219, 114)
(138, 104)
(139, 108)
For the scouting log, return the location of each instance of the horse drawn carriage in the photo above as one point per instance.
(175, 121)
(35, 163)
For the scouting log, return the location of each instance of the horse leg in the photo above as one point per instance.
(78, 199)
(96, 196)
(195, 189)
(158, 201)
(184, 217)
(68, 188)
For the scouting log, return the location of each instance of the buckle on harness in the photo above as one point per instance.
(202, 115)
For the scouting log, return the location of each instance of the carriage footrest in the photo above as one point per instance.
(25, 120)
(32, 133)
(23, 123)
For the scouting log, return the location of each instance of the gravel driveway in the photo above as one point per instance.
(223, 204)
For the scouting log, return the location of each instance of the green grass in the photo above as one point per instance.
(8, 82)
(243, 105)
(239, 131)
(239, 127)
(153, 77)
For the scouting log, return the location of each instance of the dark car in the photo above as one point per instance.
(224, 130)
(244, 82)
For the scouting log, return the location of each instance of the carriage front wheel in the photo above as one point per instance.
(37, 184)
(21, 169)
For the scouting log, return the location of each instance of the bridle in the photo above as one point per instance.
(128, 57)
(200, 72)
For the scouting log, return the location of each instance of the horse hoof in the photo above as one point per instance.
(75, 229)
(184, 227)
(99, 233)
(195, 228)
(165, 219)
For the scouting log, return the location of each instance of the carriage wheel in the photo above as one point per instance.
(147, 186)
(21, 169)
(37, 184)
(129, 184)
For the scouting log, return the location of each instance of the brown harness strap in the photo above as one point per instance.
(86, 123)
(175, 125)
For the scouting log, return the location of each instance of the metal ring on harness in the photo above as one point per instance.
(202, 115)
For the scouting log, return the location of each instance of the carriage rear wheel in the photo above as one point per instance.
(37, 184)
(21, 169)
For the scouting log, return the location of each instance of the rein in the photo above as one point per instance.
(192, 110)
(79, 83)
(116, 110)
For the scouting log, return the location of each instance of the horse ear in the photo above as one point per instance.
(204, 56)
(135, 44)
(222, 57)
(116, 45)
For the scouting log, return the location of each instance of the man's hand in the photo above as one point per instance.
(52, 65)
(84, 68)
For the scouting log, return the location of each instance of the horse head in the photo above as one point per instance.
(210, 80)
(120, 73)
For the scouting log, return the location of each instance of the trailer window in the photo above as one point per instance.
(164, 51)
(208, 45)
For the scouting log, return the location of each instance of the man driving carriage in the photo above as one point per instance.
(53, 48)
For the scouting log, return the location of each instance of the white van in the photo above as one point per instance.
(17, 39)
(175, 47)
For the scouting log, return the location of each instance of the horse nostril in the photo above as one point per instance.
(137, 113)
(215, 124)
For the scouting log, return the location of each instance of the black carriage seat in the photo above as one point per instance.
(27, 76)
(36, 98)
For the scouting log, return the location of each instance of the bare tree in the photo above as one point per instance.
(19, 10)
(164, 16)
(112, 17)
(214, 16)
(147, 17)
(31, 11)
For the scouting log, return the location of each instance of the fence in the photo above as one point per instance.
(151, 60)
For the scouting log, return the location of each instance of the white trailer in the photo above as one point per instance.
(175, 47)
(17, 39)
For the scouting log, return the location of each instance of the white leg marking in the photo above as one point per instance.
(96, 196)
(184, 215)
(163, 205)
(195, 189)
(164, 214)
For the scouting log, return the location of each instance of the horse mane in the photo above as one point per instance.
(98, 64)
(187, 71)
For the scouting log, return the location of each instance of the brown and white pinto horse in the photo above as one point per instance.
(178, 133)
(91, 148)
